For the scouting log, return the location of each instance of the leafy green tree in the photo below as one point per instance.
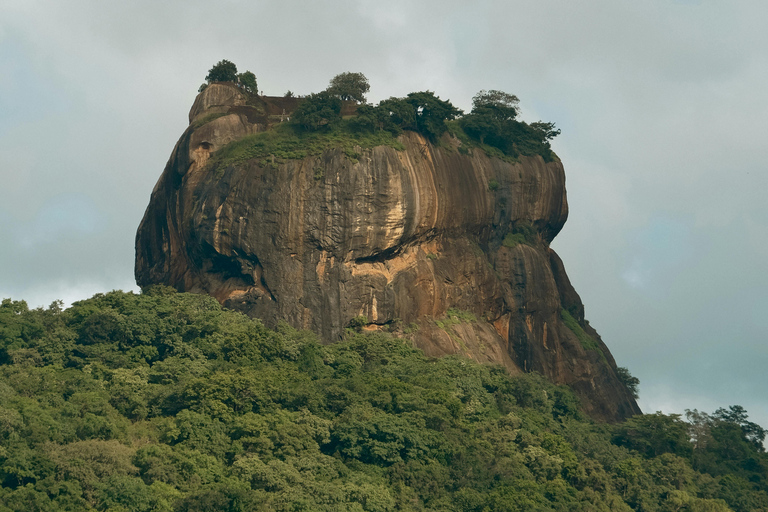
(497, 104)
(431, 113)
(247, 81)
(628, 380)
(222, 71)
(165, 401)
(177, 466)
(547, 130)
(736, 414)
(483, 128)
(419, 111)
(349, 86)
(226, 71)
(395, 115)
(492, 112)
(739, 494)
(224, 497)
(654, 434)
(493, 121)
(318, 111)
(698, 430)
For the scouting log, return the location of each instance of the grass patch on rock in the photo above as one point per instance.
(286, 142)
(585, 339)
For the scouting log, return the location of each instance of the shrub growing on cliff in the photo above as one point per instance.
(628, 380)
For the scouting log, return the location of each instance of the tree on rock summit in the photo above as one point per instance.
(222, 71)
(226, 71)
(349, 86)
(317, 111)
(247, 81)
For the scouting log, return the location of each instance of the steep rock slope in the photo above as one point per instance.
(447, 248)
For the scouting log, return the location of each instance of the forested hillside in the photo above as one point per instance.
(166, 401)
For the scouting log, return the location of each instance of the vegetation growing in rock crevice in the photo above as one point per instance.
(522, 233)
(207, 119)
(165, 401)
(628, 380)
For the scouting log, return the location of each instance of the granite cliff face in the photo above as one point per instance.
(447, 248)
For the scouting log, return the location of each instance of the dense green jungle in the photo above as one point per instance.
(164, 401)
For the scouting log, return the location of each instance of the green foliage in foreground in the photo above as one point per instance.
(166, 402)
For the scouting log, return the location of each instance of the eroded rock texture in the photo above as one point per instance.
(400, 237)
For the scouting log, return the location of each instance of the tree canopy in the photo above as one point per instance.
(318, 111)
(431, 113)
(222, 71)
(628, 380)
(167, 402)
(247, 81)
(422, 112)
(226, 71)
(349, 86)
(493, 121)
(498, 104)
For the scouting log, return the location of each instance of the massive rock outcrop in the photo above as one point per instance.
(447, 248)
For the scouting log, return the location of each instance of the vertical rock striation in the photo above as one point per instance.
(450, 250)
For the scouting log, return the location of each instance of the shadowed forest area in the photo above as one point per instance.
(166, 402)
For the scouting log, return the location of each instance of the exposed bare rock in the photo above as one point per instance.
(217, 97)
(417, 241)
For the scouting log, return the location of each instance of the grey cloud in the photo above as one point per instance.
(663, 106)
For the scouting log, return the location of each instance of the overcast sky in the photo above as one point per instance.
(663, 107)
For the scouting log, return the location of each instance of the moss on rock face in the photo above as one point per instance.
(585, 339)
(512, 239)
(197, 123)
